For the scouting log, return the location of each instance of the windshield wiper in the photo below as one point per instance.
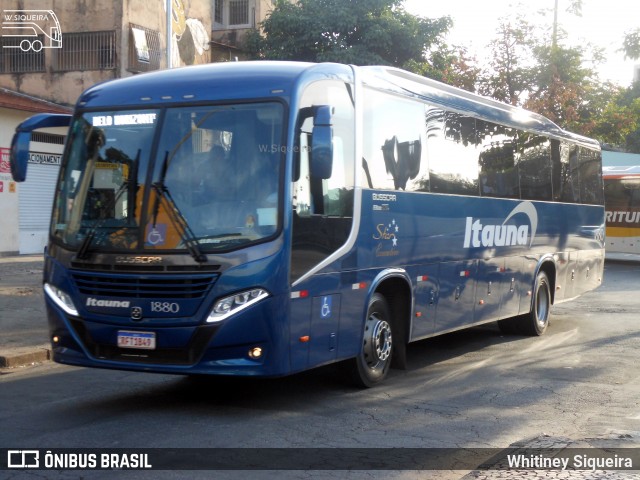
(175, 215)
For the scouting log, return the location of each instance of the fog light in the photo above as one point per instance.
(255, 352)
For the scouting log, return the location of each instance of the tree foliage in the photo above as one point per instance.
(507, 77)
(631, 44)
(360, 32)
(533, 66)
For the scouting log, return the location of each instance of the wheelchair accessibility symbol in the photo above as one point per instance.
(325, 310)
(157, 235)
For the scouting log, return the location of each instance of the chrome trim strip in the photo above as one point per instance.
(357, 193)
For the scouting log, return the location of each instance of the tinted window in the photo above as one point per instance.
(569, 181)
(590, 166)
(534, 167)
(393, 143)
(498, 169)
(453, 152)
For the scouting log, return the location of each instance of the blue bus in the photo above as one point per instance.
(265, 218)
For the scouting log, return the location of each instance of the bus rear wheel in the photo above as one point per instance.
(372, 364)
(535, 322)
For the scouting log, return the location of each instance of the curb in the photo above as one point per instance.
(24, 356)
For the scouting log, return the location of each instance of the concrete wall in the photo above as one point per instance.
(74, 16)
(191, 27)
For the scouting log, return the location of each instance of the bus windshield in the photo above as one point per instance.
(198, 177)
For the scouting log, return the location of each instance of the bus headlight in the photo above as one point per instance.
(61, 298)
(227, 306)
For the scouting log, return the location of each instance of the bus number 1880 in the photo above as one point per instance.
(165, 307)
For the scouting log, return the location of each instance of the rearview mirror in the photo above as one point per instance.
(322, 143)
(19, 155)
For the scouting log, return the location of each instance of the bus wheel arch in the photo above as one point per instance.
(549, 268)
(384, 336)
(397, 292)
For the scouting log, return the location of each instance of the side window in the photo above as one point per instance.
(322, 208)
(621, 194)
(534, 166)
(590, 166)
(498, 169)
(393, 143)
(569, 182)
(332, 196)
(453, 152)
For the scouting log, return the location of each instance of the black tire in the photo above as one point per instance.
(372, 364)
(535, 322)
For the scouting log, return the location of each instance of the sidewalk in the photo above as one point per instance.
(23, 324)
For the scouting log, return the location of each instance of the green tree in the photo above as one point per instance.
(561, 86)
(508, 76)
(532, 66)
(361, 32)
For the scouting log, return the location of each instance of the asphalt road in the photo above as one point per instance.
(576, 386)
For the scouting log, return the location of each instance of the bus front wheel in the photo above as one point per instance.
(372, 364)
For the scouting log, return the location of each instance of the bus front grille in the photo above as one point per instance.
(143, 286)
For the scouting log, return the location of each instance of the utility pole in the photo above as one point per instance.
(168, 4)
(554, 40)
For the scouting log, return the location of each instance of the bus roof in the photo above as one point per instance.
(468, 103)
(213, 81)
(265, 79)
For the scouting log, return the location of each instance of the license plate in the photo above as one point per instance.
(142, 340)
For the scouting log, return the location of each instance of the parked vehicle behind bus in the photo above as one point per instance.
(622, 204)
(264, 218)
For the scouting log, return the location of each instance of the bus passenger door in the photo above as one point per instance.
(315, 323)
(457, 295)
(325, 315)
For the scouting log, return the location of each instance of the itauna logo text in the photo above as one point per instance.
(519, 231)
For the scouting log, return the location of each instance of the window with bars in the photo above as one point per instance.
(144, 49)
(217, 13)
(13, 59)
(86, 51)
(238, 12)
